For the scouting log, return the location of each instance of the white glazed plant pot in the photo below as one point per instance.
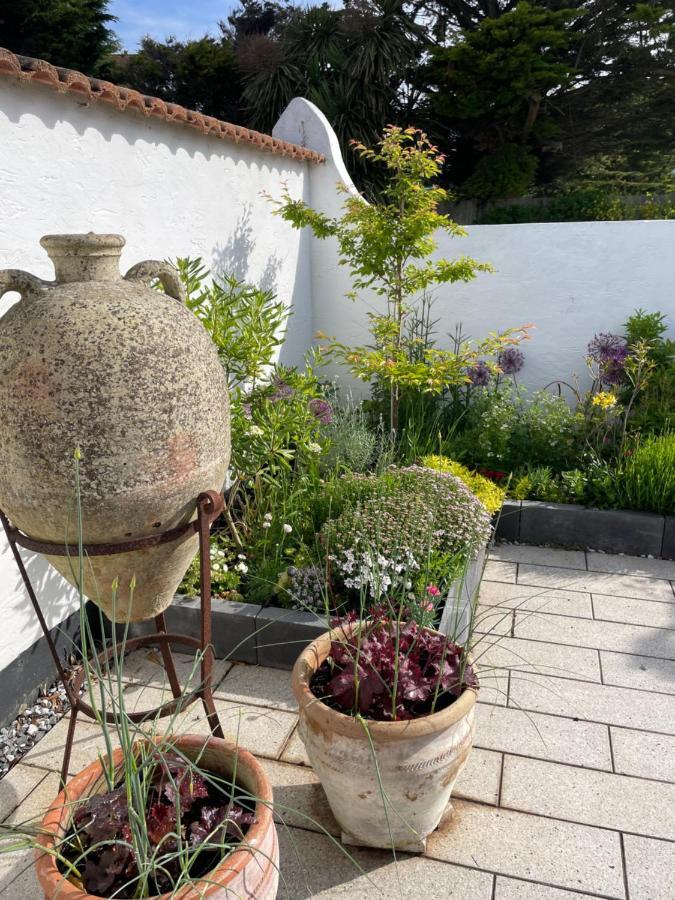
(412, 763)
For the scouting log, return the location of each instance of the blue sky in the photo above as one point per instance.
(160, 18)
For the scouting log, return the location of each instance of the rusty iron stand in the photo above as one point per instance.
(209, 507)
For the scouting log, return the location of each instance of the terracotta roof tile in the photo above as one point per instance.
(27, 69)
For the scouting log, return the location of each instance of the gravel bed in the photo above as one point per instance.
(32, 723)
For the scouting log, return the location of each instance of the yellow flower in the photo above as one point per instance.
(604, 400)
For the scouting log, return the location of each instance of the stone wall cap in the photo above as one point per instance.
(38, 71)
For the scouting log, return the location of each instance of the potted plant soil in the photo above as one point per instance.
(387, 719)
(206, 828)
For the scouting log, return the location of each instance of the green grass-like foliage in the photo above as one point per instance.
(646, 481)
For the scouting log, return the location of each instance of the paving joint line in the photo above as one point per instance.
(611, 747)
(624, 866)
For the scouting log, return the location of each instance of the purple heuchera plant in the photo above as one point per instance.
(511, 360)
(175, 801)
(609, 351)
(424, 665)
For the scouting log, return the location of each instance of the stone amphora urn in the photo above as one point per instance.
(127, 374)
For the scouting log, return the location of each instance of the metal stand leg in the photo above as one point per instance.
(167, 657)
(70, 737)
(209, 507)
(205, 507)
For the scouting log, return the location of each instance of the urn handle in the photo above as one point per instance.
(22, 282)
(149, 269)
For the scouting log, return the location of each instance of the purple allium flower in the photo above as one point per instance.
(511, 360)
(282, 391)
(322, 410)
(604, 346)
(479, 374)
(609, 351)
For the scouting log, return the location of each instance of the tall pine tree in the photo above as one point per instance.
(71, 33)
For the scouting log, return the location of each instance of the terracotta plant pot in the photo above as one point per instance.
(250, 872)
(129, 375)
(418, 761)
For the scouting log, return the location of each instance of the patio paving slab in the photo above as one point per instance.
(527, 597)
(634, 639)
(48, 753)
(512, 889)
(593, 702)
(261, 730)
(542, 556)
(497, 570)
(258, 685)
(517, 654)
(604, 799)
(633, 612)
(650, 868)
(18, 880)
(641, 672)
(17, 784)
(544, 737)
(643, 754)
(617, 564)
(493, 620)
(315, 868)
(546, 807)
(562, 854)
(145, 666)
(596, 582)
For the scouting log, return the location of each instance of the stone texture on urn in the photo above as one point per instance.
(128, 375)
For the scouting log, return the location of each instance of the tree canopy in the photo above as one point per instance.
(519, 96)
(76, 34)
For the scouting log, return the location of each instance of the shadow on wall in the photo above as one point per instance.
(115, 125)
(56, 597)
(233, 257)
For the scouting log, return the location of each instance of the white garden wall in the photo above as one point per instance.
(66, 166)
(171, 191)
(569, 279)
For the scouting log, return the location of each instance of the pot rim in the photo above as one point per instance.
(91, 241)
(227, 869)
(326, 718)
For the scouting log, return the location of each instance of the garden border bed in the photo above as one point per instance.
(273, 636)
(568, 525)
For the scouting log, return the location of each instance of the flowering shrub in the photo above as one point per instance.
(507, 428)
(279, 423)
(392, 523)
(389, 670)
(489, 494)
(227, 568)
